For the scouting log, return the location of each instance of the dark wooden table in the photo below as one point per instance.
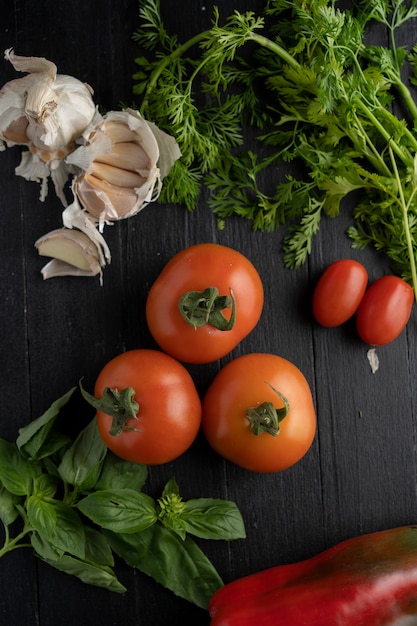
(360, 473)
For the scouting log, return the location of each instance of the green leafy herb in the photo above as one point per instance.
(337, 110)
(121, 510)
(178, 564)
(77, 503)
(207, 518)
(82, 461)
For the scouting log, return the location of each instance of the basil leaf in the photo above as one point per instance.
(171, 488)
(8, 510)
(97, 549)
(16, 474)
(90, 573)
(178, 565)
(32, 437)
(119, 474)
(81, 463)
(45, 486)
(43, 548)
(120, 510)
(58, 523)
(41, 515)
(55, 444)
(210, 518)
(176, 524)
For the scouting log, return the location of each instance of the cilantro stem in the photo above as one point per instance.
(274, 47)
(405, 157)
(374, 155)
(166, 61)
(404, 208)
(407, 98)
(404, 93)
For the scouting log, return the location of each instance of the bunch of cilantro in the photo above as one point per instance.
(76, 505)
(335, 108)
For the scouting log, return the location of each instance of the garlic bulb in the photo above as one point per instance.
(119, 174)
(47, 112)
(72, 251)
(117, 161)
(120, 162)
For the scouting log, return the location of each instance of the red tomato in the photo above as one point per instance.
(191, 272)
(169, 414)
(385, 310)
(246, 383)
(338, 292)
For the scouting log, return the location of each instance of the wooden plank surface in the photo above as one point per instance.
(360, 473)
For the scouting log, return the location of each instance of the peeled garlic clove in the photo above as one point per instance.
(116, 175)
(126, 155)
(103, 200)
(74, 251)
(119, 132)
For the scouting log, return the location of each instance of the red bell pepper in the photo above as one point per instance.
(370, 580)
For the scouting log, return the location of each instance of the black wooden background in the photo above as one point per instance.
(359, 475)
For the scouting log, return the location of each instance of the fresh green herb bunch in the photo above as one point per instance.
(76, 504)
(322, 99)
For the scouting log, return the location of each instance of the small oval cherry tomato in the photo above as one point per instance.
(205, 301)
(338, 292)
(258, 413)
(384, 310)
(167, 415)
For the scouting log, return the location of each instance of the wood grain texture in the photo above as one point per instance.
(360, 473)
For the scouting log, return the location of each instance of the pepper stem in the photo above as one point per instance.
(206, 307)
(120, 405)
(265, 418)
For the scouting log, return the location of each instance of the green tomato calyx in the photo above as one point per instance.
(265, 418)
(120, 405)
(206, 307)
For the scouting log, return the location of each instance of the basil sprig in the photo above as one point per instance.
(76, 505)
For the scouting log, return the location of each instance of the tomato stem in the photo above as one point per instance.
(120, 405)
(206, 307)
(265, 418)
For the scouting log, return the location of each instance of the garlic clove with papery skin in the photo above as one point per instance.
(72, 251)
(57, 107)
(120, 160)
(47, 112)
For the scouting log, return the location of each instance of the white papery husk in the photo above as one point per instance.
(75, 217)
(105, 200)
(47, 112)
(33, 168)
